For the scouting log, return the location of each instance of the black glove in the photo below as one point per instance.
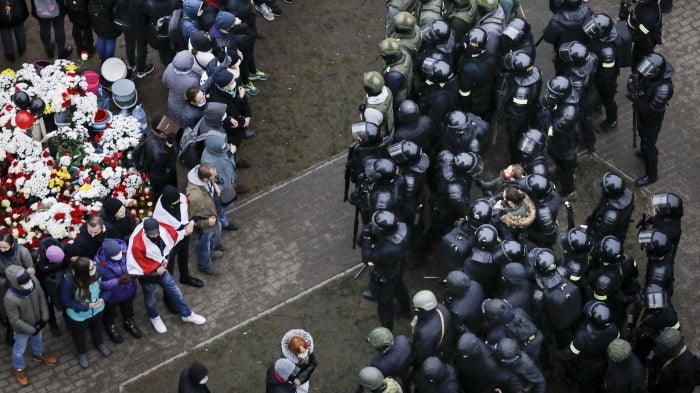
(39, 325)
(362, 108)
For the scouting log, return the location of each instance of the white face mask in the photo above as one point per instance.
(237, 63)
(201, 104)
(223, 117)
(303, 355)
(117, 257)
(28, 285)
(204, 380)
(93, 271)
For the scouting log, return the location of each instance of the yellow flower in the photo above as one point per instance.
(8, 71)
(48, 110)
(5, 203)
(71, 67)
(85, 187)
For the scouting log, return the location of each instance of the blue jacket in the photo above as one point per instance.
(109, 271)
(218, 153)
(74, 309)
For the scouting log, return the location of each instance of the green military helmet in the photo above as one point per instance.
(487, 5)
(404, 22)
(371, 378)
(390, 47)
(619, 350)
(669, 342)
(373, 81)
(461, 3)
(380, 337)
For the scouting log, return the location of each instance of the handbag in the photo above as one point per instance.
(228, 196)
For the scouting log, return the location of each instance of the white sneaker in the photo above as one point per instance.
(265, 11)
(194, 318)
(158, 324)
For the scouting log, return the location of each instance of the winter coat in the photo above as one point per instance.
(466, 308)
(24, 308)
(395, 362)
(191, 115)
(85, 245)
(236, 107)
(143, 256)
(429, 336)
(201, 201)
(516, 286)
(218, 152)
(177, 78)
(189, 381)
(17, 15)
(627, 376)
(79, 310)
(102, 18)
(529, 374)
(78, 14)
(492, 23)
(110, 270)
(118, 228)
(482, 372)
(43, 266)
(162, 160)
(213, 113)
(676, 375)
(306, 367)
(61, 10)
(273, 385)
(138, 20)
(18, 256)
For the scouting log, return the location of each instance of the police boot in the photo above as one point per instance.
(130, 326)
(114, 334)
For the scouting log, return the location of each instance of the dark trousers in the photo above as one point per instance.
(648, 134)
(82, 35)
(79, 328)
(386, 290)
(19, 35)
(126, 307)
(587, 128)
(181, 254)
(515, 127)
(58, 31)
(609, 104)
(567, 171)
(136, 50)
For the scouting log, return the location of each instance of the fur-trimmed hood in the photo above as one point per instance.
(287, 352)
(521, 217)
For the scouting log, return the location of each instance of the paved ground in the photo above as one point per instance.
(296, 235)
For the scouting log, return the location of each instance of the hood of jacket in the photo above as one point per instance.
(523, 217)
(287, 352)
(216, 144)
(190, 8)
(213, 114)
(11, 273)
(193, 177)
(183, 62)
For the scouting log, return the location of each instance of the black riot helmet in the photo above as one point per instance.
(481, 211)
(439, 33)
(609, 250)
(602, 287)
(613, 185)
(405, 152)
(458, 283)
(516, 32)
(667, 205)
(507, 350)
(485, 237)
(458, 123)
(496, 310)
(577, 241)
(384, 222)
(575, 269)
(598, 314)
(509, 251)
(475, 41)
(652, 66)
(573, 53)
(558, 89)
(436, 70)
(599, 26)
(408, 113)
(468, 164)
(519, 62)
(539, 186)
(434, 370)
(543, 260)
(532, 142)
(380, 170)
(655, 297)
(365, 133)
(468, 345)
(654, 242)
(568, 4)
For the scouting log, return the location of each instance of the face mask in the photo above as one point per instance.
(303, 355)
(27, 286)
(201, 104)
(117, 257)
(237, 63)
(204, 380)
(93, 271)
(223, 117)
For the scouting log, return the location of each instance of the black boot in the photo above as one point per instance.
(55, 330)
(51, 50)
(10, 337)
(114, 334)
(131, 327)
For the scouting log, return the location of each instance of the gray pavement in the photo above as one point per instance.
(297, 234)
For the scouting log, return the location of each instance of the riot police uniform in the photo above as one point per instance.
(518, 36)
(491, 20)
(383, 188)
(660, 258)
(374, 381)
(442, 90)
(461, 132)
(368, 144)
(432, 328)
(601, 30)
(625, 372)
(395, 7)
(668, 208)
(437, 377)
(673, 367)
(393, 356)
(406, 30)
(456, 244)
(461, 14)
(437, 41)
(652, 313)
(566, 25)
(398, 70)
(576, 246)
(546, 199)
(478, 369)
(645, 22)
(520, 364)
(504, 320)
(379, 97)
(651, 88)
(613, 213)
(477, 75)
(463, 297)
(412, 126)
(610, 260)
(559, 115)
(430, 11)
(516, 286)
(518, 98)
(531, 150)
(479, 264)
(384, 246)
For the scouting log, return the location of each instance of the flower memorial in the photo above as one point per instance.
(49, 187)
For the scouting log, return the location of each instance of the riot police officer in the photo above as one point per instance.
(441, 93)
(382, 188)
(518, 36)
(398, 69)
(559, 115)
(438, 377)
(379, 97)
(406, 30)
(645, 22)
(581, 66)
(652, 313)
(491, 20)
(625, 372)
(437, 41)
(609, 258)
(395, 7)
(461, 132)
(479, 264)
(672, 369)
(613, 213)
(660, 258)
(668, 209)
(456, 244)
(368, 144)
(432, 328)
(520, 364)
(504, 320)
(546, 199)
(602, 33)
(463, 297)
(384, 246)
(576, 245)
(516, 287)
(531, 150)
(651, 88)
(461, 14)
(393, 356)
(430, 11)
(374, 381)
(478, 369)
(412, 126)
(566, 26)
(477, 75)
(518, 98)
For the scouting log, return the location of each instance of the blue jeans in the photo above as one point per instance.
(221, 210)
(21, 346)
(205, 245)
(170, 288)
(106, 47)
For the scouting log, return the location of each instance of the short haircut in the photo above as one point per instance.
(205, 171)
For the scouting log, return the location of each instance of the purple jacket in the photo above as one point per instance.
(109, 271)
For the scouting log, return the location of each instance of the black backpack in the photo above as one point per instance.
(623, 45)
(564, 305)
(454, 248)
(191, 146)
(120, 11)
(177, 41)
(140, 156)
